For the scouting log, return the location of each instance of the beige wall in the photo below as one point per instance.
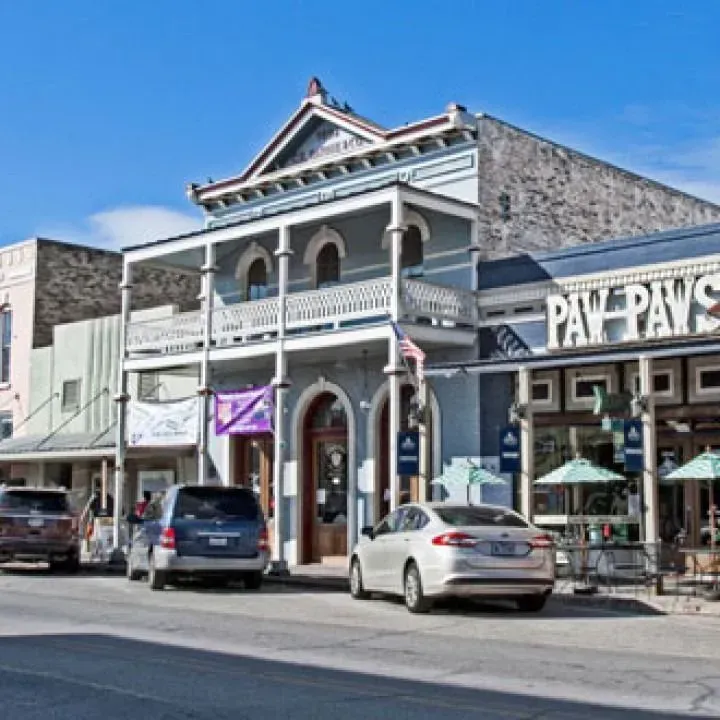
(17, 287)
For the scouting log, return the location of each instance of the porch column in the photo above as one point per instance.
(121, 398)
(281, 383)
(394, 368)
(527, 443)
(425, 441)
(208, 271)
(651, 520)
(41, 474)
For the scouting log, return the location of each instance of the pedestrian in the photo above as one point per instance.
(141, 506)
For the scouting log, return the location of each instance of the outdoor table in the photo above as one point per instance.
(702, 562)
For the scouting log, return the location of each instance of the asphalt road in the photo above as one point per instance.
(99, 647)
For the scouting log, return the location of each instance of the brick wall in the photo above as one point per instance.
(555, 197)
(76, 283)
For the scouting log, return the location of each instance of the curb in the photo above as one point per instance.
(339, 584)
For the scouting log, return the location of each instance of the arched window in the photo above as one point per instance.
(327, 266)
(329, 413)
(411, 258)
(256, 288)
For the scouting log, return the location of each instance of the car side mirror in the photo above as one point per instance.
(134, 519)
(368, 531)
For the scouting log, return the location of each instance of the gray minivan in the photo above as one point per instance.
(205, 532)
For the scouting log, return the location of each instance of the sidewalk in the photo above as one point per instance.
(640, 601)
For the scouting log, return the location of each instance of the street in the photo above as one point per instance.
(94, 646)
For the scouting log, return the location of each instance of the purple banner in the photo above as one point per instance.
(244, 412)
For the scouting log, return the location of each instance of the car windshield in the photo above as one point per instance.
(483, 516)
(36, 502)
(202, 503)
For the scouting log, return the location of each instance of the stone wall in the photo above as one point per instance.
(77, 283)
(536, 195)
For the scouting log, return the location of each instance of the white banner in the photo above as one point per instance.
(162, 424)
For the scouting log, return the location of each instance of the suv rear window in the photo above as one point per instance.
(203, 503)
(37, 502)
(483, 516)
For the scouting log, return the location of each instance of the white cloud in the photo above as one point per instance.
(127, 225)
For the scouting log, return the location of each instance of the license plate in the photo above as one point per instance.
(36, 522)
(503, 548)
(217, 541)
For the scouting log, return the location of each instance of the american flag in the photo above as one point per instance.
(409, 350)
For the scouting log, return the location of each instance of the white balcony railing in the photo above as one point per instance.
(314, 310)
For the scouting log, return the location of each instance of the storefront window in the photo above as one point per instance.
(554, 446)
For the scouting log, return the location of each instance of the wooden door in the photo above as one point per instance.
(254, 470)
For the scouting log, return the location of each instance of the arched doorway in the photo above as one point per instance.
(325, 480)
(409, 486)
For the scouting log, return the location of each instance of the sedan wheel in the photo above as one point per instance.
(357, 589)
(415, 599)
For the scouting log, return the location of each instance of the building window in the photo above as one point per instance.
(6, 425)
(327, 266)
(542, 391)
(583, 387)
(70, 395)
(148, 386)
(662, 382)
(505, 207)
(256, 287)
(708, 379)
(5, 343)
(411, 257)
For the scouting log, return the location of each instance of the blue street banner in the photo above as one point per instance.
(408, 453)
(510, 449)
(633, 445)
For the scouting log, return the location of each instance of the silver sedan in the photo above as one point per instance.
(425, 551)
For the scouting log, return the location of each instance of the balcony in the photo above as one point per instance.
(342, 306)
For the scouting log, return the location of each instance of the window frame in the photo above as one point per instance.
(65, 406)
(6, 324)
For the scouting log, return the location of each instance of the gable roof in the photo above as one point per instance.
(316, 109)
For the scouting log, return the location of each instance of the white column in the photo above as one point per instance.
(651, 520)
(527, 444)
(281, 384)
(204, 391)
(394, 368)
(425, 441)
(41, 475)
(121, 398)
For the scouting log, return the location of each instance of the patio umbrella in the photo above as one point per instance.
(705, 466)
(467, 475)
(579, 472)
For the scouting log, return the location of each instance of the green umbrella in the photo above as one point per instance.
(467, 475)
(705, 466)
(579, 472)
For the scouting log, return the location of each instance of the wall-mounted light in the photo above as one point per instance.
(516, 413)
(638, 405)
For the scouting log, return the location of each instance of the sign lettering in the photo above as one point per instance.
(630, 313)
(326, 140)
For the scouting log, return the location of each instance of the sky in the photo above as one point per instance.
(108, 109)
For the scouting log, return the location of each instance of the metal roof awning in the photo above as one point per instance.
(548, 361)
(67, 446)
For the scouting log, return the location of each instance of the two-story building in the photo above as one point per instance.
(335, 228)
(43, 284)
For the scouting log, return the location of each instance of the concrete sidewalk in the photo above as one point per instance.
(641, 601)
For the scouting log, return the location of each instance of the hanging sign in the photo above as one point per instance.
(163, 424)
(408, 453)
(633, 446)
(244, 412)
(510, 449)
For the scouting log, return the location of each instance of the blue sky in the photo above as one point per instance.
(108, 109)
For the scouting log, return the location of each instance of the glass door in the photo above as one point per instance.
(331, 497)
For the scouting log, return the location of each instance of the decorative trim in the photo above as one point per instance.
(321, 238)
(253, 252)
(410, 217)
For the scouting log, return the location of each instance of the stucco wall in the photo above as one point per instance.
(77, 283)
(17, 291)
(559, 197)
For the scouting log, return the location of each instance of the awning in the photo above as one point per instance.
(569, 359)
(62, 446)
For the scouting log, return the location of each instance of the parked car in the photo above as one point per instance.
(210, 533)
(426, 551)
(39, 525)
